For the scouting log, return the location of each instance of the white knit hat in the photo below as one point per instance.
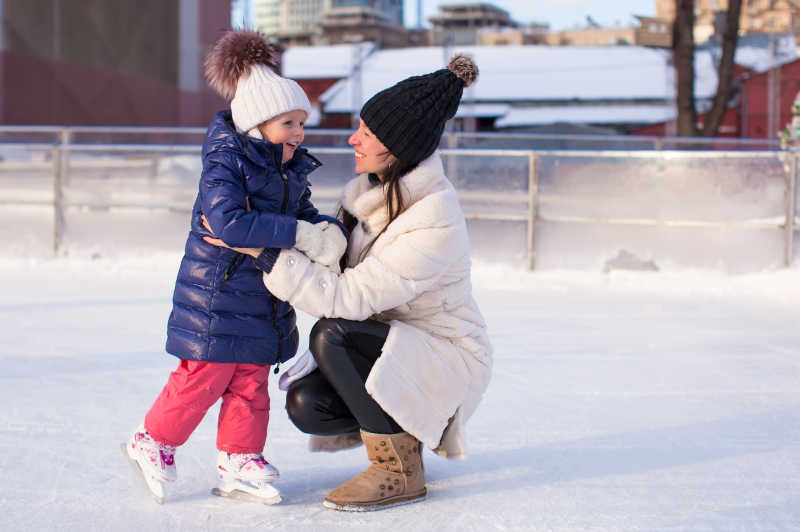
(240, 66)
(263, 95)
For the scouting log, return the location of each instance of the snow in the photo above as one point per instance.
(760, 52)
(334, 61)
(633, 401)
(615, 77)
(532, 73)
(482, 110)
(527, 73)
(586, 114)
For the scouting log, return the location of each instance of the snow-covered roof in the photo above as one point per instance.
(587, 114)
(335, 61)
(531, 73)
(758, 52)
(482, 110)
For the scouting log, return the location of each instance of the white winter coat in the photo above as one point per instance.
(436, 362)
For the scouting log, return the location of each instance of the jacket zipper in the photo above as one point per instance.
(233, 265)
(284, 205)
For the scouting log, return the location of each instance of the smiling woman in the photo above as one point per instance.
(401, 356)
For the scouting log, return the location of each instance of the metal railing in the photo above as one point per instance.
(338, 137)
(480, 201)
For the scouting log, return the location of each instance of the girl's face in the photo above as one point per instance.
(371, 155)
(285, 129)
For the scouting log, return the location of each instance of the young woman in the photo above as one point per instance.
(402, 349)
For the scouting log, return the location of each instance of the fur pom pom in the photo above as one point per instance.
(232, 56)
(463, 67)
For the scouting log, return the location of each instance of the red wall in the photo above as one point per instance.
(755, 100)
(750, 119)
(315, 87)
(36, 89)
(731, 125)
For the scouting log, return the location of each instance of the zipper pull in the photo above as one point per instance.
(277, 367)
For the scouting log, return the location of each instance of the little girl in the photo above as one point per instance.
(225, 327)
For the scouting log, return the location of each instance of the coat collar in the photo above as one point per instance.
(367, 201)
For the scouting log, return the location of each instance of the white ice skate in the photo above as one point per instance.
(153, 461)
(246, 477)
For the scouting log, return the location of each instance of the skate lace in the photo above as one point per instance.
(157, 452)
(245, 462)
(167, 454)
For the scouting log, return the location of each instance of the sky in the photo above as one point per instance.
(560, 14)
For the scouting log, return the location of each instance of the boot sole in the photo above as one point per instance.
(153, 486)
(246, 497)
(383, 505)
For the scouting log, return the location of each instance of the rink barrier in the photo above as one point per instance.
(60, 166)
(450, 139)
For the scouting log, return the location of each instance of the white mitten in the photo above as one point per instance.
(334, 246)
(303, 365)
(309, 239)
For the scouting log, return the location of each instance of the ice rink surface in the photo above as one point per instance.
(624, 401)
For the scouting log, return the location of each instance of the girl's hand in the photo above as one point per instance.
(253, 252)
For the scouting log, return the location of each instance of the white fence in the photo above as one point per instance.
(588, 209)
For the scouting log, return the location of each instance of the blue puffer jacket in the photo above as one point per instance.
(221, 311)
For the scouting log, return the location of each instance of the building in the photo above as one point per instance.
(653, 31)
(758, 16)
(535, 33)
(611, 89)
(126, 62)
(648, 32)
(267, 16)
(360, 24)
(460, 24)
(318, 68)
(299, 21)
(592, 36)
(311, 22)
(765, 81)
(391, 9)
(619, 88)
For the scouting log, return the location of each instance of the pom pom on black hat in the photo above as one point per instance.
(464, 69)
(233, 55)
(409, 117)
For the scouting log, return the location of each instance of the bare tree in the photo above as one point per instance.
(683, 58)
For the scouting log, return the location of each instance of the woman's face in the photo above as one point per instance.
(371, 155)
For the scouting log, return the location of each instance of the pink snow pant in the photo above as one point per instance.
(195, 386)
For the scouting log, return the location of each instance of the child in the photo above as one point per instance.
(226, 328)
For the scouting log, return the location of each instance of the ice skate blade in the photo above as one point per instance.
(154, 487)
(400, 501)
(240, 495)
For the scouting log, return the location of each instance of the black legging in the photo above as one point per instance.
(333, 399)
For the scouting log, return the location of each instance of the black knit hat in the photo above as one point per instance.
(409, 117)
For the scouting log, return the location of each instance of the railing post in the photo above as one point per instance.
(60, 176)
(533, 190)
(66, 139)
(791, 197)
(58, 201)
(452, 144)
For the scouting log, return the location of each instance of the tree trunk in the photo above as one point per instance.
(683, 60)
(729, 39)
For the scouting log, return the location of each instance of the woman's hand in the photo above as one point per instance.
(253, 252)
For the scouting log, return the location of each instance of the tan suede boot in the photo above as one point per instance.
(395, 476)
